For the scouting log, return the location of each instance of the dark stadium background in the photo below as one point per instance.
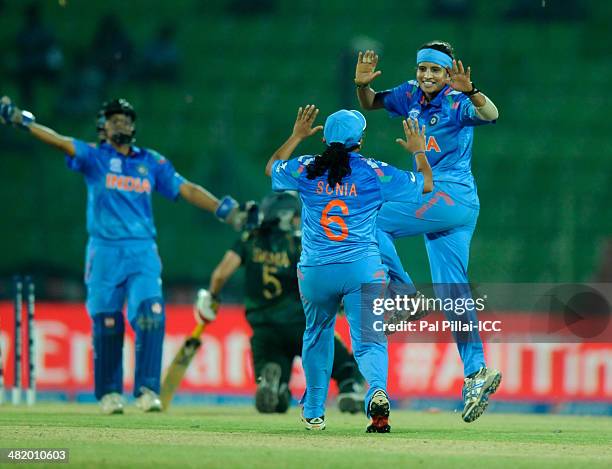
(242, 69)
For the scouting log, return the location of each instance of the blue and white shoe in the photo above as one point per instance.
(476, 391)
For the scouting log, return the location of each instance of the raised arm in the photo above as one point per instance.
(365, 74)
(461, 80)
(198, 196)
(415, 144)
(11, 114)
(302, 128)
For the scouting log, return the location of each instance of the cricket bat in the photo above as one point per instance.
(179, 366)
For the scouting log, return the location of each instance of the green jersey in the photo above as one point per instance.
(270, 260)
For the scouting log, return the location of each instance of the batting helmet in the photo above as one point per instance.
(118, 106)
(280, 208)
(109, 108)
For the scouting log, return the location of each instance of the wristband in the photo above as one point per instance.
(27, 119)
(417, 152)
(366, 85)
(472, 92)
(226, 205)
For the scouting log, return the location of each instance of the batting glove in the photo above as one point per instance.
(11, 114)
(205, 307)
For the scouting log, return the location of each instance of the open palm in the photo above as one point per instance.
(460, 78)
(365, 71)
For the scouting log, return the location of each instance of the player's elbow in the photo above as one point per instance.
(187, 189)
(268, 171)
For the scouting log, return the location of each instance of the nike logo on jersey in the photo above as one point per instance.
(127, 183)
(346, 189)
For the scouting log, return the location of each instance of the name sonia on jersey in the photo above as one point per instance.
(345, 189)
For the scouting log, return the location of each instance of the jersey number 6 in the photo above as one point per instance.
(327, 220)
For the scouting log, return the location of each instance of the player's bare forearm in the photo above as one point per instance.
(283, 152)
(478, 99)
(198, 196)
(485, 108)
(422, 166)
(369, 99)
(224, 271)
(51, 137)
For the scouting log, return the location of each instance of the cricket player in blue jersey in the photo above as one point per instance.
(341, 193)
(122, 262)
(444, 99)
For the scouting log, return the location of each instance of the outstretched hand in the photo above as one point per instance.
(365, 71)
(460, 78)
(415, 137)
(304, 120)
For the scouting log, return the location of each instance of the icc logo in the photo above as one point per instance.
(414, 114)
(434, 120)
(115, 165)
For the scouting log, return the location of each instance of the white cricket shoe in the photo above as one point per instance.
(148, 401)
(111, 403)
(315, 423)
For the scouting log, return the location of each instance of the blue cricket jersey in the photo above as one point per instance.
(449, 120)
(119, 189)
(339, 223)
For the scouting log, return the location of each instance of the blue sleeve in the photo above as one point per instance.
(285, 174)
(399, 186)
(395, 100)
(466, 113)
(167, 180)
(81, 161)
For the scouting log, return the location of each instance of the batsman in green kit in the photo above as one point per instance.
(269, 254)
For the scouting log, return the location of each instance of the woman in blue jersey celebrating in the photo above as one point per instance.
(444, 99)
(123, 265)
(342, 192)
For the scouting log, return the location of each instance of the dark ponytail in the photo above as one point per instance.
(334, 159)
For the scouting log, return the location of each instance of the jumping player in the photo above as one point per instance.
(341, 193)
(444, 99)
(269, 254)
(122, 262)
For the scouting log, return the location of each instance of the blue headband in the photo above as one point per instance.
(434, 56)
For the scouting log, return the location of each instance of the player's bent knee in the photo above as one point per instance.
(150, 316)
(108, 324)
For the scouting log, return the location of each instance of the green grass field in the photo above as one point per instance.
(239, 437)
